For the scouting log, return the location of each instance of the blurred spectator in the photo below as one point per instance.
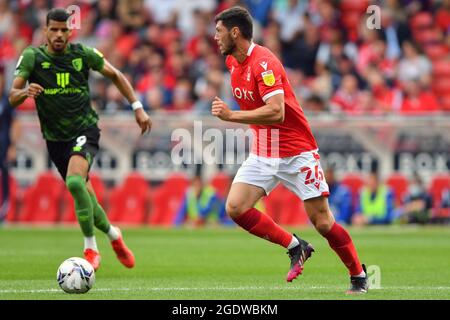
(6, 17)
(185, 13)
(395, 31)
(301, 52)
(290, 15)
(200, 205)
(314, 105)
(9, 131)
(206, 97)
(132, 14)
(182, 96)
(260, 10)
(104, 10)
(414, 65)
(376, 203)
(348, 97)
(417, 204)
(387, 99)
(340, 199)
(417, 101)
(154, 99)
(161, 11)
(443, 16)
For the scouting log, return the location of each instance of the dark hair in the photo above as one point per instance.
(237, 17)
(57, 14)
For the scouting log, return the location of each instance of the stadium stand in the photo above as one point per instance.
(129, 202)
(42, 201)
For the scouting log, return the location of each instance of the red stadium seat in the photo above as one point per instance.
(445, 102)
(351, 20)
(399, 186)
(14, 197)
(42, 201)
(422, 20)
(353, 5)
(441, 68)
(438, 184)
(221, 182)
(441, 86)
(129, 203)
(69, 215)
(437, 53)
(167, 199)
(428, 36)
(285, 207)
(354, 182)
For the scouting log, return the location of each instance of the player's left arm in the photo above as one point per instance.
(271, 113)
(124, 86)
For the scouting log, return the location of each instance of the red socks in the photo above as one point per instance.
(342, 244)
(263, 226)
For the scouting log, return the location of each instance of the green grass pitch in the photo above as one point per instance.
(228, 263)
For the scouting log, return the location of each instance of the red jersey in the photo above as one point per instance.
(259, 77)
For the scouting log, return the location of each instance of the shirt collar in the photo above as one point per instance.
(250, 49)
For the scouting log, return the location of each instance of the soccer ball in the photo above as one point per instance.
(75, 275)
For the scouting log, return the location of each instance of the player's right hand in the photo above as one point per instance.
(34, 90)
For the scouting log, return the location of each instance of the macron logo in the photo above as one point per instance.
(264, 65)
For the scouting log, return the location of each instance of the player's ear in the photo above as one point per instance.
(235, 32)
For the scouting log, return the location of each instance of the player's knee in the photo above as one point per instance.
(234, 209)
(322, 220)
(323, 227)
(75, 184)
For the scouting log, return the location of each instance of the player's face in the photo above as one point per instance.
(58, 34)
(224, 40)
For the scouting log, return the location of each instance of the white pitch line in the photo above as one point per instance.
(226, 289)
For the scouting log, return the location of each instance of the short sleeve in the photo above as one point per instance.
(95, 58)
(268, 72)
(25, 64)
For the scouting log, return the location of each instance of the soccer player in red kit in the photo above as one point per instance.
(284, 149)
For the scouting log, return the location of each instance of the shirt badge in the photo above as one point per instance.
(77, 64)
(268, 78)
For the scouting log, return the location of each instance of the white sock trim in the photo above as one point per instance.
(113, 233)
(294, 243)
(90, 243)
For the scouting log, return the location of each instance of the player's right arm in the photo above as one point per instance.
(19, 93)
(24, 68)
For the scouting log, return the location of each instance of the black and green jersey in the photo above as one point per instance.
(64, 108)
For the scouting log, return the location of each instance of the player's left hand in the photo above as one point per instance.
(220, 109)
(143, 120)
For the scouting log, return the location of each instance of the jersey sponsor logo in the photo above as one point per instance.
(243, 94)
(268, 78)
(54, 91)
(77, 64)
(62, 79)
(45, 65)
(264, 65)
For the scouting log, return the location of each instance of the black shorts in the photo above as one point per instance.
(85, 145)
